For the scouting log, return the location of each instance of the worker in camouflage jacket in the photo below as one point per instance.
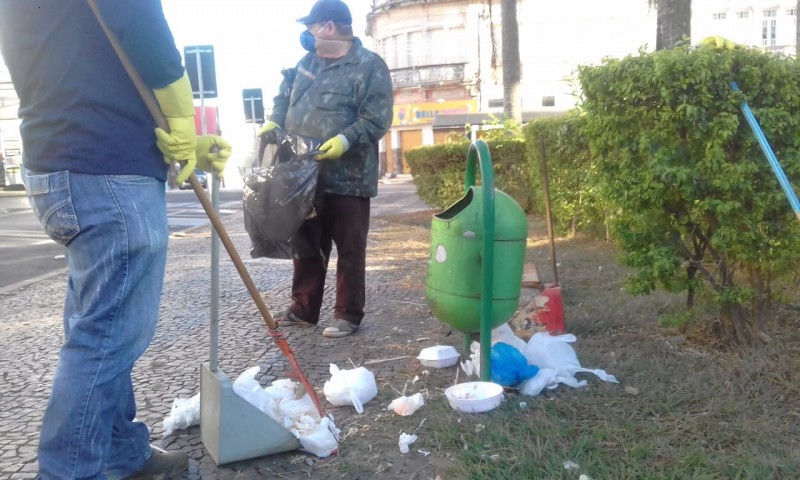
(340, 93)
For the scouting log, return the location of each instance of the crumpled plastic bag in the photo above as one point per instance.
(280, 191)
(185, 412)
(505, 334)
(407, 405)
(558, 363)
(509, 365)
(299, 416)
(350, 387)
(404, 441)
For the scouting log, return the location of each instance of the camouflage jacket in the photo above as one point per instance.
(351, 96)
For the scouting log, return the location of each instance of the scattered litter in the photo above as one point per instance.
(406, 406)
(405, 440)
(584, 477)
(185, 412)
(416, 379)
(631, 390)
(570, 465)
(523, 405)
(424, 452)
(350, 387)
(553, 352)
(504, 334)
(422, 339)
(438, 356)
(473, 365)
(297, 415)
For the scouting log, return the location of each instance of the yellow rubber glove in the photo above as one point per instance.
(180, 143)
(719, 42)
(333, 148)
(268, 127)
(210, 158)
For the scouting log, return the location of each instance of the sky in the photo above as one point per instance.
(253, 40)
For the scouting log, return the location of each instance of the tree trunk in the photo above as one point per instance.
(674, 21)
(512, 101)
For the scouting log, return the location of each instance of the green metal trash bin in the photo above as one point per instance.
(453, 284)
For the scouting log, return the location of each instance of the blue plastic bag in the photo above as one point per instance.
(509, 365)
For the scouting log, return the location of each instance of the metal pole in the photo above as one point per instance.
(213, 360)
(253, 116)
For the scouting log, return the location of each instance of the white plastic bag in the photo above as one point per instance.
(185, 413)
(350, 387)
(321, 439)
(554, 352)
(406, 406)
(504, 334)
(404, 441)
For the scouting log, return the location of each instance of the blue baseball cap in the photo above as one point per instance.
(328, 10)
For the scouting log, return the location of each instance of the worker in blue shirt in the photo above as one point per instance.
(96, 172)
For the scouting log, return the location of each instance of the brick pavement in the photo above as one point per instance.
(30, 334)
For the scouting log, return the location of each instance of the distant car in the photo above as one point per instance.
(202, 177)
(13, 172)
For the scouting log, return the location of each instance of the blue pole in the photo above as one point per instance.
(765, 147)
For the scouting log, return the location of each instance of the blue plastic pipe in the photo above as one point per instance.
(765, 147)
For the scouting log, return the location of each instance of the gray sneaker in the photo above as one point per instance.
(340, 328)
(289, 319)
(162, 465)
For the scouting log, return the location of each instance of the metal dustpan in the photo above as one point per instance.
(231, 428)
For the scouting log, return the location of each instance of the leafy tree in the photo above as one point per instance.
(694, 202)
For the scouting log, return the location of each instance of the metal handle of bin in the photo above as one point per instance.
(479, 154)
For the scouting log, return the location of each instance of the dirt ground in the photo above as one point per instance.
(677, 386)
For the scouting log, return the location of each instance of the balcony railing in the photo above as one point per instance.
(431, 75)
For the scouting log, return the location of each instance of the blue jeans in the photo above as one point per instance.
(115, 230)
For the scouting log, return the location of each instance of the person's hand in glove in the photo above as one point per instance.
(180, 143)
(333, 148)
(268, 127)
(212, 153)
(719, 42)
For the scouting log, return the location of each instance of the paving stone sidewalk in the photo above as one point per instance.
(30, 335)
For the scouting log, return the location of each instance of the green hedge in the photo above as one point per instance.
(573, 192)
(439, 171)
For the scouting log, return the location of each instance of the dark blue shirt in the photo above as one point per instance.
(79, 110)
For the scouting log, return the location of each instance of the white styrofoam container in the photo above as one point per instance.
(474, 397)
(438, 356)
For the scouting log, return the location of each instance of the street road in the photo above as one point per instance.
(27, 255)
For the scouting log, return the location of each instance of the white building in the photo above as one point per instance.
(446, 55)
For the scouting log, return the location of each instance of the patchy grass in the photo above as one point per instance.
(684, 408)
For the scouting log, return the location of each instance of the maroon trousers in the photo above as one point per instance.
(343, 220)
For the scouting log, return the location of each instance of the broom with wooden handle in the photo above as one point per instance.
(161, 122)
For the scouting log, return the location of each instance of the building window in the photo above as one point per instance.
(719, 16)
(742, 14)
(768, 27)
(549, 101)
(496, 103)
(791, 12)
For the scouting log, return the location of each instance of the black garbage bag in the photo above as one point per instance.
(280, 192)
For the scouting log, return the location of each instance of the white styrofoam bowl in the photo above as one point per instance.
(475, 397)
(438, 356)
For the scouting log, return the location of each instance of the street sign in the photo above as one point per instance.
(199, 60)
(253, 105)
